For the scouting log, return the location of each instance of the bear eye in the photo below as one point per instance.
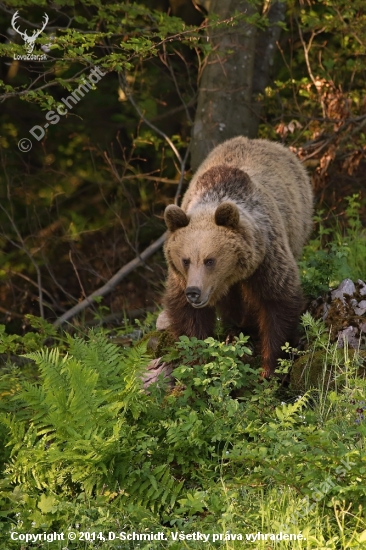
(209, 262)
(186, 262)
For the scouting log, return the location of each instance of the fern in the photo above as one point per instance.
(156, 488)
(78, 428)
(288, 413)
(75, 426)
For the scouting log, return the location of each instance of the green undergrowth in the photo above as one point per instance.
(323, 365)
(87, 450)
(335, 252)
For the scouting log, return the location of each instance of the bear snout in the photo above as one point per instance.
(193, 294)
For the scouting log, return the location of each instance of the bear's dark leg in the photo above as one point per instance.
(277, 325)
(231, 307)
(185, 319)
(236, 315)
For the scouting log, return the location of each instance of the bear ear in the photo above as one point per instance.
(227, 214)
(175, 218)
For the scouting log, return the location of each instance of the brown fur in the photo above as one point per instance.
(233, 245)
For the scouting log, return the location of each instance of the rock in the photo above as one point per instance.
(361, 309)
(157, 368)
(346, 287)
(158, 343)
(349, 335)
(162, 322)
(362, 289)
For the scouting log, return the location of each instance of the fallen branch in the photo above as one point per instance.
(113, 282)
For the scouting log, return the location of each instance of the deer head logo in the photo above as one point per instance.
(29, 40)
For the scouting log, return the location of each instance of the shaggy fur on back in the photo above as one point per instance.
(233, 245)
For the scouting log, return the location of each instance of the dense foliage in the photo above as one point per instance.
(91, 451)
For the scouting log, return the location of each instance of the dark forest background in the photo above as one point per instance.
(180, 76)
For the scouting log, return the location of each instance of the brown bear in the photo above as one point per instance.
(233, 245)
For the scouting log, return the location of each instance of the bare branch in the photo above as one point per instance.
(306, 54)
(29, 280)
(323, 141)
(165, 60)
(182, 161)
(182, 174)
(77, 273)
(124, 86)
(152, 178)
(58, 284)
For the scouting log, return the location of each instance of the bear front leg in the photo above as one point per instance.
(184, 319)
(237, 314)
(277, 325)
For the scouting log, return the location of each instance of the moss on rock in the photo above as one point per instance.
(158, 342)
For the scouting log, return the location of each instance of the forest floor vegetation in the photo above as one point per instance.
(221, 454)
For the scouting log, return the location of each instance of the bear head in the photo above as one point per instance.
(210, 249)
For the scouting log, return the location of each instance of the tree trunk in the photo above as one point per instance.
(223, 108)
(236, 71)
(264, 56)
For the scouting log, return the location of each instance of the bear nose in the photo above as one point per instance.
(193, 294)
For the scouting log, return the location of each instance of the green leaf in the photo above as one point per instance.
(46, 504)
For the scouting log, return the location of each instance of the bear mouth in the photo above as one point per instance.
(201, 304)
